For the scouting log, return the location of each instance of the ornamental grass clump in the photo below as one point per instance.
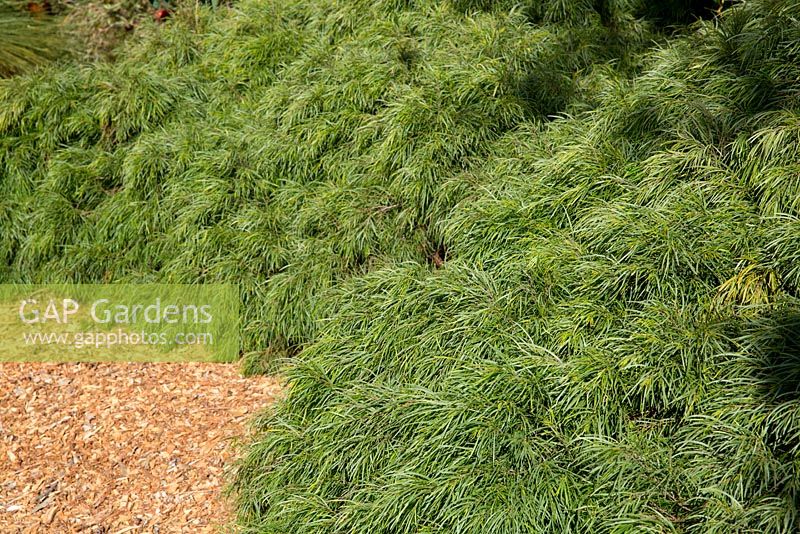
(28, 38)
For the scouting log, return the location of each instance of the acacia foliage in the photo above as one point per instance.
(283, 146)
(611, 342)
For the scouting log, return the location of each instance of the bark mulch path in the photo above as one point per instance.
(121, 448)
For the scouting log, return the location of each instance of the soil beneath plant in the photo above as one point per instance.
(118, 448)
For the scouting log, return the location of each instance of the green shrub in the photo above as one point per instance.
(611, 345)
(535, 264)
(286, 146)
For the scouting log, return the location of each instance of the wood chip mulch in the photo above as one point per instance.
(121, 448)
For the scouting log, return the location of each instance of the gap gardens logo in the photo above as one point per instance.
(119, 322)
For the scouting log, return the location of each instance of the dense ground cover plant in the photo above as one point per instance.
(612, 345)
(541, 259)
(285, 146)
